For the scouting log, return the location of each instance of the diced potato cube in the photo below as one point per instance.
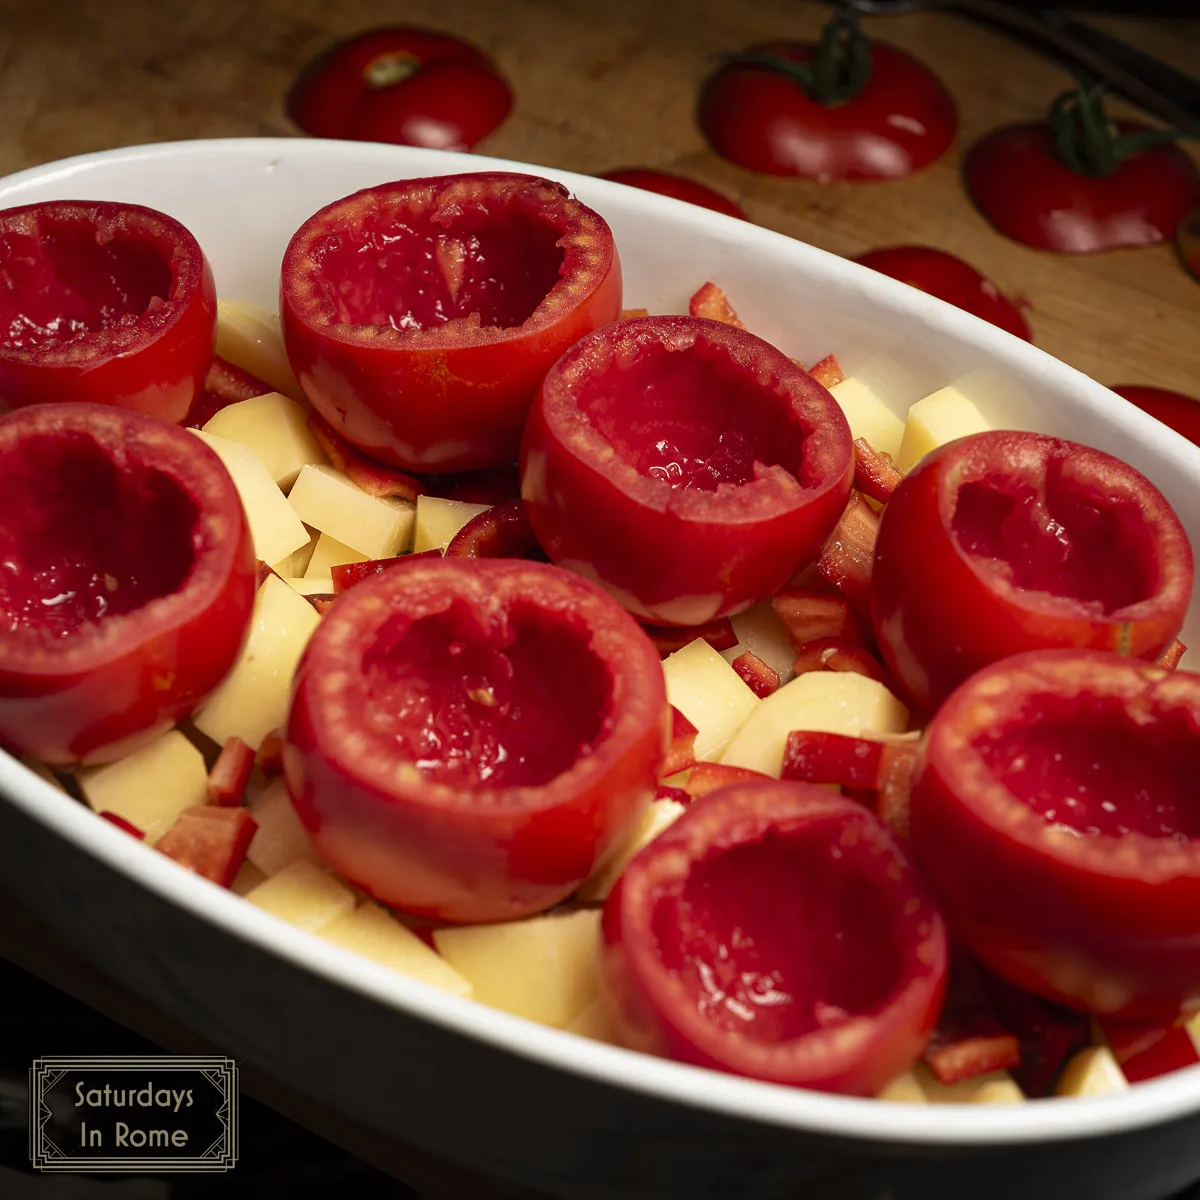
(253, 698)
(151, 786)
(274, 526)
(992, 1087)
(658, 816)
(868, 415)
(247, 878)
(439, 520)
(823, 701)
(42, 771)
(1092, 1072)
(330, 501)
(275, 428)
(904, 1089)
(328, 554)
(372, 932)
(760, 631)
(304, 895)
(296, 563)
(594, 1022)
(281, 838)
(250, 337)
(310, 587)
(941, 417)
(544, 968)
(710, 693)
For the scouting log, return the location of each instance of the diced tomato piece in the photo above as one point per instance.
(667, 792)
(1170, 657)
(210, 841)
(846, 559)
(669, 638)
(706, 777)
(121, 823)
(230, 773)
(632, 314)
(224, 385)
(711, 302)
(681, 753)
(898, 763)
(760, 677)
(813, 757)
(808, 614)
(375, 478)
(875, 473)
(838, 654)
(346, 575)
(270, 754)
(1145, 1049)
(969, 1038)
(828, 371)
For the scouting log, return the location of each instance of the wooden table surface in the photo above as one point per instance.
(608, 83)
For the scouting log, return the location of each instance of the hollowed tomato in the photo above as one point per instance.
(103, 303)
(470, 738)
(776, 930)
(1003, 542)
(127, 578)
(1056, 815)
(420, 316)
(688, 466)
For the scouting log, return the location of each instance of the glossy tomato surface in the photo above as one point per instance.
(676, 186)
(950, 279)
(1180, 412)
(470, 738)
(1030, 196)
(404, 86)
(757, 116)
(687, 465)
(128, 580)
(776, 930)
(1056, 814)
(420, 316)
(1003, 542)
(103, 303)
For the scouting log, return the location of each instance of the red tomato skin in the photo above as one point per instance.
(94, 704)
(669, 567)
(676, 186)
(950, 279)
(455, 399)
(163, 370)
(454, 98)
(1110, 938)
(1028, 195)
(434, 851)
(937, 625)
(1180, 412)
(901, 121)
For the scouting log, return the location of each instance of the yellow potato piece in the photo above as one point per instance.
(280, 838)
(710, 693)
(439, 520)
(330, 553)
(275, 428)
(1092, 1072)
(330, 501)
(659, 816)
(942, 417)
(304, 895)
(250, 337)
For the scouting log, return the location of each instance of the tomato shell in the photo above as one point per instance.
(1003, 542)
(404, 86)
(1055, 814)
(776, 930)
(470, 738)
(902, 120)
(103, 504)
(688, 466)
(104, 303)
(1015, 180)
(950, 279)
(427, 352)
(676, 186)
(1180, 412)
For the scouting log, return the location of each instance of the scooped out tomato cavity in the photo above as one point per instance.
(688, 466)
(1004, 542)
(1057, 817)
(103, 303)
(420, 316)
(775, 930)
(127, 578)
(470, 738)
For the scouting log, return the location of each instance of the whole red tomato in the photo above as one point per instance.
(1055, 816)
(427, 351)
(675, 186)
(470, 738)
(1004, 542)
(950, 279)
(409, 87)
(687, 465)
(128, 580)
(841, 109)
(1080, 182)
(777, 931)
(103, 303)
(1180, 412)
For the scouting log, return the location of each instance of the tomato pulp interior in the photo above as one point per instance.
(1088, 766)
(1065, 539)
(691, 417)
(68, 279)
(496, 259)
(775, 938)
(500, 707)
(87, 538)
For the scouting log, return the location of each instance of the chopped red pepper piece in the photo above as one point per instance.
(706, 777)
(224, 385)
(969, 1038)
(270, 754)
(669, 638)
(838, 654)
(121, 823)
(632, 314)
(375, 478)
(813, 757)
(875, 473)
(230, 773)
(711, 302)
(807, 615)
(210, 841)
(828, 372)
(846, 559)
(1147, 1049)
(681, 753)
(1170, 657)
(760, 677)
(677, 794)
